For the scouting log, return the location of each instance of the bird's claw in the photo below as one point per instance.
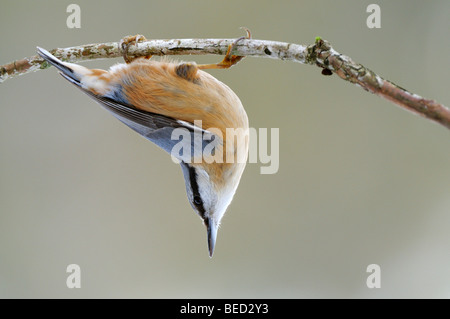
(229, 60)
(125, 44)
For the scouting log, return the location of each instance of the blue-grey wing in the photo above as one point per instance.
(164, 131)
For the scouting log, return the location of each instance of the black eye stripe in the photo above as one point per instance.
(197, 199)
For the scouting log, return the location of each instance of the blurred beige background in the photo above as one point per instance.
(361, 181)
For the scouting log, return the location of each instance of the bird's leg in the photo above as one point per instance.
(125, 43)
(229, 59)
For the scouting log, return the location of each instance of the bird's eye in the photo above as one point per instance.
(197, 200)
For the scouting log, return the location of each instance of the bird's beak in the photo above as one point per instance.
(211, 228)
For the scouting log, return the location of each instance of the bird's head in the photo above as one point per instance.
(209, 195)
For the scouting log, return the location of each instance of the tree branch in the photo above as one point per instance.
(320, 53)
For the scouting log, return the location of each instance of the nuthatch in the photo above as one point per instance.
(154, 98)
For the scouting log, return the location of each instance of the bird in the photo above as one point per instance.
(160, 99)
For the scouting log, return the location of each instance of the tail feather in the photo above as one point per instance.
(67, 72)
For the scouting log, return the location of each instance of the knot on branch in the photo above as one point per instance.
(318, 54)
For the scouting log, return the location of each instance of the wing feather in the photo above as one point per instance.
(157, 128)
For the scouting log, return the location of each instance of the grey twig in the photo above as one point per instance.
(320, 53)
